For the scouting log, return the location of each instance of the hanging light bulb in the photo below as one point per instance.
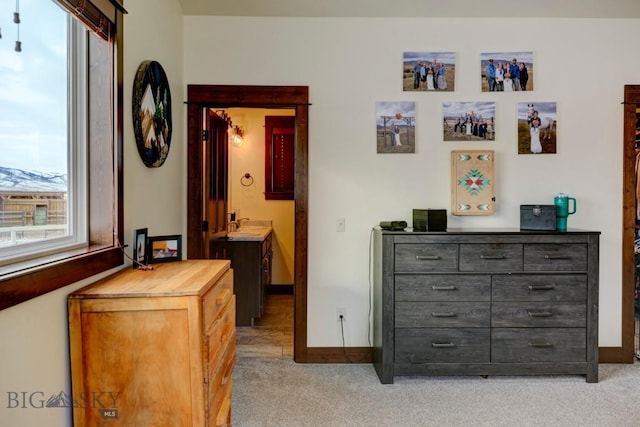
(16, 19)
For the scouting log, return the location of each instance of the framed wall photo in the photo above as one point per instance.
(139, 247)
(506, 71)
(428, 71)
(468, 121)
(151, 111)
(396, 127)
(164, 249)
(537, 128)
(472, 182)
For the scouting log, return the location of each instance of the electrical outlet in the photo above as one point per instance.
(340, 224)
(341, 314)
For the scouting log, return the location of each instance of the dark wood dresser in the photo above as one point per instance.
(485, 302)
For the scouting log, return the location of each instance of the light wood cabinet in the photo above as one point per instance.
(486, 303)
(154, 348)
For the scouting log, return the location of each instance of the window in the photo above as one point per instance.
(279, 157)
(61, 139)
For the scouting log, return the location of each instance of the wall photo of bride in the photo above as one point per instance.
(396, 127)
(537, 128)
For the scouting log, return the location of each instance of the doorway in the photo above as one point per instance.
(630, 222)
(201, 97)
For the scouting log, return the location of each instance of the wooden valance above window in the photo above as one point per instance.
(100, 16)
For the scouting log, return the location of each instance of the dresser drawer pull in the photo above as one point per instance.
(442, 345)
(427, 257)
(551, 257)
(443, 288)
(224, 295)
(444, 314)
(542, 287)
(540, 314)
(540, 345)
(491, 257)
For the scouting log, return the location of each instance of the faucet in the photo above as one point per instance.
(242, 219)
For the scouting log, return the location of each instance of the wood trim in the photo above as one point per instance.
(230, 96)
(612, 355)
(625, 354)
(340, 355)
(36, 282)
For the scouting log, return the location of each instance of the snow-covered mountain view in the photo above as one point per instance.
(21, 181)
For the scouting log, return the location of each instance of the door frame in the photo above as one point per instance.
(232, 96)
(625, 353)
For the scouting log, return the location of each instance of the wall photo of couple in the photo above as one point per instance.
(396, 127)
(469, 121)
(506, 71)
(428, 71)
(537, 126)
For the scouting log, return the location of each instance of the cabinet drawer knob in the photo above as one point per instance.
(442, 345)
(542, 287)
(443, 314)
(540, 314)
(427, 257)
(443, 288)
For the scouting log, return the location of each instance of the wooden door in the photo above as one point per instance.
(216, 166)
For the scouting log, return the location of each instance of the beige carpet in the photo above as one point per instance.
(278, 392)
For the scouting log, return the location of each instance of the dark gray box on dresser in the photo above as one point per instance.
(505, 302)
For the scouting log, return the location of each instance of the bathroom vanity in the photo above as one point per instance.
(250, 251)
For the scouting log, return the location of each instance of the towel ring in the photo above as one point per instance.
(246, 180)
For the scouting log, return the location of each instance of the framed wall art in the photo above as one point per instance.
(151, 111)
(468, 121)
(164, 249)
(139, 247)
(506, 71)
(428, 71)
(537, 125)
(396, 127)
(472, 182)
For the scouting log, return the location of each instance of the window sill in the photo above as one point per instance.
(29, 279)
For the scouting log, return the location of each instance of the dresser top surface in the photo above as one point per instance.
(180, 278)
(482, 231)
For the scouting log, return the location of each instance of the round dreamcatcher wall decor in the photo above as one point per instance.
(152, 113)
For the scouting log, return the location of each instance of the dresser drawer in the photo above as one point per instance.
(217, 298)
(539, 287)
(425, 257)
(442, 314)
(220, 381)
(221, 333)
(538, 314)
(444, 345)
(518, 345)
(443, 287)
(491, 257)
(555, 257)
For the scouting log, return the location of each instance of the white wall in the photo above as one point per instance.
(349, 64)
(34, 343)
(249, 200)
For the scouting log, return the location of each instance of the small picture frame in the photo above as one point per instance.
(164, 249)
(139, 247)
